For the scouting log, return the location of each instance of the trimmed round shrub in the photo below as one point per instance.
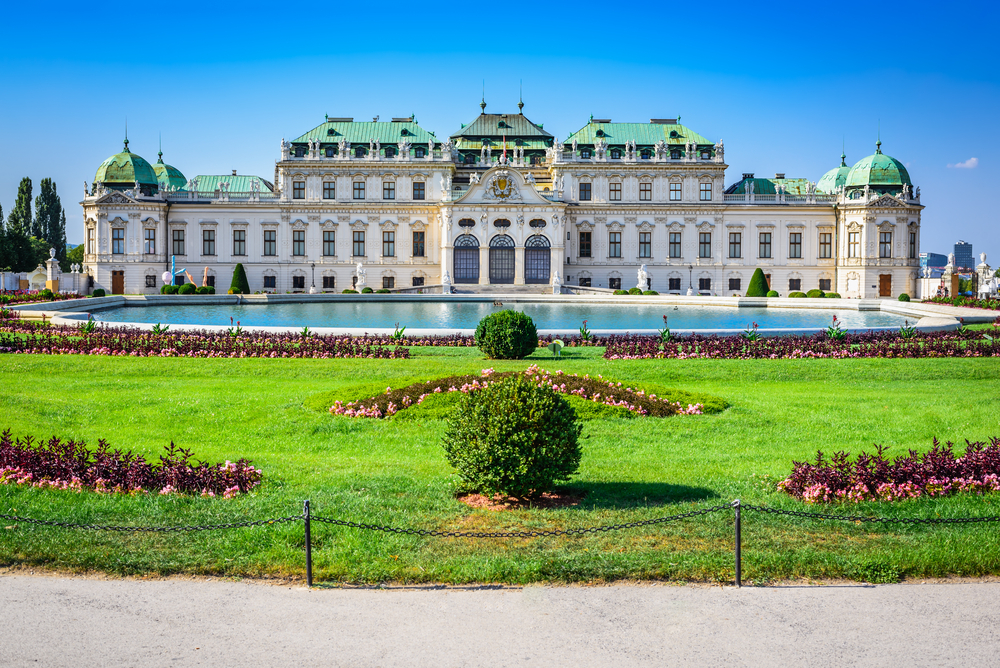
(904, 297)
(815, 294)
(513, 438)
(797, 294)
(382, 291)
(99, 292)
(211, 289)
(506, 335)
(773, 293)
(366, 290)
(833, 295)
(186, 289)
(163, 289)
(240, 284)
(46, 294)
(348, 291)
(758, 284)
(621, 292)
(635, 291)
(170, 289)
(650, 292)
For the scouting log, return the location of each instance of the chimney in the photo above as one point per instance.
(779, 175)
(234, 172)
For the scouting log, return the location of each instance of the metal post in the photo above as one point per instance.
(309, 556)
(739, 544)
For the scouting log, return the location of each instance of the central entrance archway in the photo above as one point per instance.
(466, 259)
(537, 259)
(501, 259)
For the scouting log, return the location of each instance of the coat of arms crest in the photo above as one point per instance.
(501, 186)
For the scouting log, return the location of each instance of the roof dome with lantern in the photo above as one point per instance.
(168, 176)
(124, 170)
(835, 178)
(880, 172)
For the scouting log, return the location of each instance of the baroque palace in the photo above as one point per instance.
(502, 201)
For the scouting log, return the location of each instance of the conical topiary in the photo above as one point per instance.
(240, 286)
(758, 284)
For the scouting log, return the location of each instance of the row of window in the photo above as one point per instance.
(330, 190)
(361, 151)
(270, 242)
(645, 192)
(644, 154)
(705, 284)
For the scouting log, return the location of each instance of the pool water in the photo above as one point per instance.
(466, 315)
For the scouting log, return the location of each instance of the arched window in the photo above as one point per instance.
(502, 241)
(537, 241)
(537, 259)
(467, 241)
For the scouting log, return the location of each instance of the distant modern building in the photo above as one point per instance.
(963, 255)
(933, 260)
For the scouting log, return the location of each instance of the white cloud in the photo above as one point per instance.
(971, 163)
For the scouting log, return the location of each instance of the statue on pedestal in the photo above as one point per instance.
(362, 277)
(643, 276)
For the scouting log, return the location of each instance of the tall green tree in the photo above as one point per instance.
(20, 217)
(59, 239)
(47, 212)
(16, 253)
(5, 260)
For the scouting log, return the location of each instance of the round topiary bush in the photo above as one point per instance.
(650, 292)
(506, 335)
(815, 294)
(382, 291)
(773, 293)
(348, 291)
(366, 290)
(163, 289)
(833, 295)
(758, 284)
(170, 289)
(513, 438)
(186, 289)
(635, 291)
(99, 292)
(45, 294)
(904, 297)
(621, 292)
(797, 295)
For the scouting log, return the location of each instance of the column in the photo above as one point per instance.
(519, 265)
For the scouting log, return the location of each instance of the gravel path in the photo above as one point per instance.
(55, 621)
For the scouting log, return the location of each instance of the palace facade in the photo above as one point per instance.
(501, 202)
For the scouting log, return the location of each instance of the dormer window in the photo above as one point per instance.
(404, 132)
(300, 151)
(674, 134)
(359, 152)
(646, 154)
(705, 155)
(390, 152)
(616, 154)
(600, 133)
(419, 151)
(518, 142)
(502, 124)
(585, 153)
(675, 155)
(470, 158)
(329, 151)
(331, 132)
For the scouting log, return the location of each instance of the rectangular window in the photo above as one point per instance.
(645, 244)
(765, 245)
(913, 245)
(615, 283)
(179, 279)
(418, 281)
(149, 243)
(329, 243)
(675, 244)
(795, 245)
(675, 192)
(734, 284)
(298, 282)
(270, 282)
(645, 192)
(825, 284)
(388, 190)
(418, 244)
(388, 244)
(418, 190)
(358, 249)
(329, 282)
(585, 282)
(210, 280)
(359, 190)
(118, 240)
(704, 244)
(735, 247)
(673, 284)
(90, 242)
(706, 192)
(853, 244)
(329, 190)
(208, 242)
(270, 242)
(614, 244)
(826, 245)
(239, 242)
(298, 242)
(584, 244)
(298, 189)
(388, 282)
(178, 237)
(704, 284)
(151, 281)
(615, 192)
(794, 284)
(885, 244)
(584, 192)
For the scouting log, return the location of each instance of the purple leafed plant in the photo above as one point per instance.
(874, 477)
(69, 464)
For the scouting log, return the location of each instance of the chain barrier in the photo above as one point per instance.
(875, 520)
(147, 529)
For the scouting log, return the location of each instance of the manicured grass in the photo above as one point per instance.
(394, 472)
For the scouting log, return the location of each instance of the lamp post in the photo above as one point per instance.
(313, 265)
(690, 277)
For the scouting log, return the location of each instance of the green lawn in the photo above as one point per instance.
(394, 472)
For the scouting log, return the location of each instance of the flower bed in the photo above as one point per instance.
(31, 296)
(968, 302)
(60, 464)
(869, 344)
(937, 472)
(597, 390)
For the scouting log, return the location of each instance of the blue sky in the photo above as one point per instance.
(784, 86)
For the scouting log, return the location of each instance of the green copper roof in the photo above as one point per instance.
(470, 143)
(168, 175)
(386, 132)
(760, 186)
(834, 178)
(495, 126)
(125, 168)
(237, 184)
(643, 134)
(878, 170)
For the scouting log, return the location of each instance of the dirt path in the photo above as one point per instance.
(57, 621)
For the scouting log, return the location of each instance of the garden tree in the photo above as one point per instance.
(48, 210)
(240, 284)
(15, 248)
(73, 256)
(758, 284)
(58, 239)
(38, 254)
(20, 217)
